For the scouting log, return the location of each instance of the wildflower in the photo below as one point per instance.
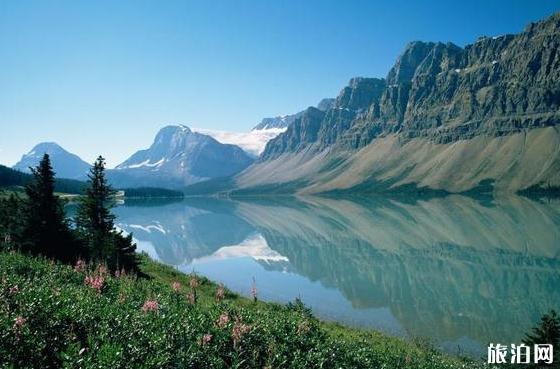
(220, 293)
(101, 269)
(95, 281)
(238, 331)
(222, 320)
(150, 305)
(176, 286)
(191, 297)
(206, 339)
(303, 327)
(80, 266)
(254, 290)
(14, 289)
(19, 322)
(194, 283)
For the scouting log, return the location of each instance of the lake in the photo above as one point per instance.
(457, 270)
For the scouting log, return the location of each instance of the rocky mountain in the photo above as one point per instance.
(178, 157)
(286, 120)
(444, 118)
(65, 164)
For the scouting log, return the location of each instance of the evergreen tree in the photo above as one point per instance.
(547, 332)
(95, 223)
(45, 228)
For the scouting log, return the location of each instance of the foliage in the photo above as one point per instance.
(58, 316)
(148, 192)
(546, 332)
(12, 178)
(45, 229)
(95, 223)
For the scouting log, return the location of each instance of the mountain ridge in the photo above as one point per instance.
(499, 95)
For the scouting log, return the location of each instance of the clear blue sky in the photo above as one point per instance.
(104, 76)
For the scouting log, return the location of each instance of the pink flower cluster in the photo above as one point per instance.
(194, 283)
(206, 339)
(80, 266)
(176, 286)
(19, 322)
(220, 293)
(95, 281)
(222, 320)
(150, 305)
(238, 331)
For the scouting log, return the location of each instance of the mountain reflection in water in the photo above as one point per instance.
(456, 270)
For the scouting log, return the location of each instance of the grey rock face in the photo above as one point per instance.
(496, 86)
(65, 164)
(287, 120)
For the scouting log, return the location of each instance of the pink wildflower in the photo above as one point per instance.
(80, 266)
(194, 283)
(101, 269)
(254, 289)
(220, 293)
(222, 320)
(238, 331)
(206, 339)
(19, 322)
(176, 286)
(150, 305)
(96, 282)
(191, 297)
(14, 289)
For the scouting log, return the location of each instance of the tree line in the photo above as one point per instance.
(37, 223)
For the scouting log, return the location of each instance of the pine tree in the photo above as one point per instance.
(45, 228)
(547, 332)
(95, 223)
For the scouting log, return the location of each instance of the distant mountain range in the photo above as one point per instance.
(485, 117)
(179, 157)
(481, 118)
(65, 164)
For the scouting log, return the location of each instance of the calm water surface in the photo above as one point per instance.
(459, 271)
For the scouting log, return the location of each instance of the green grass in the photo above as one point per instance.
(53, 319)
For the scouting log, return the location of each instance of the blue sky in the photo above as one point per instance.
(101, 77)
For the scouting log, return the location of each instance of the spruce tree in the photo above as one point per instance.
(95, 223)
(547, 332)
(45, 228)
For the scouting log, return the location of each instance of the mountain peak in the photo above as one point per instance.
(65, 164)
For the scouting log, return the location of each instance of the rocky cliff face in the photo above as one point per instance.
(442, 94)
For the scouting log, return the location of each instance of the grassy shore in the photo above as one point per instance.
(55, 315)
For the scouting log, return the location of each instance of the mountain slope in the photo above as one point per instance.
(284, 121)
(65, 164)
(444, 118)
(179, 157)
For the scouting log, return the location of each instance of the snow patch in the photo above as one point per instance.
(252, 142)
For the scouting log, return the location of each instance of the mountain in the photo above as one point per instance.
(178, 157)
(286, 120)
(252, 142)
(482, 117)
(65, 164)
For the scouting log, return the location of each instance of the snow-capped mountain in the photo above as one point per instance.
(65, 164)
(179, 157)
(284, 121)
(252, 142)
